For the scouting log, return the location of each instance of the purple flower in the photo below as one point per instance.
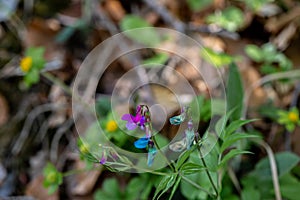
(103, 159)
(134, 121)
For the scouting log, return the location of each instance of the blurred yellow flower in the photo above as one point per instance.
(26, 64)
(84, 149)
(111, 126)
(293, 117)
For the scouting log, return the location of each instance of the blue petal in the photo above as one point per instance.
(151, 156)
(190, 136)
(141, 143)
(176, 120)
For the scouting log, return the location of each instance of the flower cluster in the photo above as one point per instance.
(31, 65)
(290, 119)
(108, 152)
(135, 121)
(52, 178)
(142, 119)
(189, 134)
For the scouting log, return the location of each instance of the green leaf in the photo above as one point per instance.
(197, 5)
(191, 192)
(205, 111)
(175, 187)
(254, 52)
(235, 92)
(190, 168)
(268, 69)
(285, 162)
(136, 187)
(289, 187)
(231, 154)
(37, 55)
(231, 18)
(183, 157)
(165, 183)
(52, 189)
(269, 52)
(235, 137)
(250, 194)
(147, 36)
(52, 178)
(255, 5)
(217, 59)
(110, 190)
(158, 59)
(235, 125)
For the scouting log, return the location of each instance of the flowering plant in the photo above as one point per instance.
(31, 65)
(290, 119)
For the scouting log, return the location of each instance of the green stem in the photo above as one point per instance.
(66, 88)
(163, 155)
(206, 170)
(58, 82)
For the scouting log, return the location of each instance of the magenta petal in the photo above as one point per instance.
(137, 118)
(130, 126)
(127, 117)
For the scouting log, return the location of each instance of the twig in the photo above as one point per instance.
(214, 30)
(29, 121)
(262, 81)
(166, 15)
(58, 82)
(182, 27)
(141, 72)
(273, 168)
(10, 70)
(59, 133)
(234, 179)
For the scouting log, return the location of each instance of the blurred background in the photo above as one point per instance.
(36, 122)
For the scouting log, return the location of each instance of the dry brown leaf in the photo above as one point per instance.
(4, 110)
(42, 33)
(115, 9)
(251, 76)
(58, 96)
(283, 39)
(36, 189)
(274, 24)
(86, 181)
(214, 43)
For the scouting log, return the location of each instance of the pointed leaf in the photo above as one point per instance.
(235, 125)
(235, 137)
(231, 154)
(175, 187)
(165, 183)
(235, 92)
(190, 168)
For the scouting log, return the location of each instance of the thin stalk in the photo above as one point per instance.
(66, 88)
(163, 155)
(141, 169)
(77, 171)
(206, 171)
(58, 82)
